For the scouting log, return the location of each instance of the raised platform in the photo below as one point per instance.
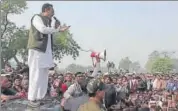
(21, 105)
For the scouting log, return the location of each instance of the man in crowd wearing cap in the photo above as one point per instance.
(95, 89)
(75, 89)
(74, 103)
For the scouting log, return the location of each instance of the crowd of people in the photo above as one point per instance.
(116, 92)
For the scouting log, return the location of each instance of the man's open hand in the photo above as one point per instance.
(64, 28)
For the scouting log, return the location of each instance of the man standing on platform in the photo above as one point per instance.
(40, 53)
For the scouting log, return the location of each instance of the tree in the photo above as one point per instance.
(135, 66)
(125, 63)
(19, 43)
(64, 44)
(8, 28)
(155, 55)
(151, 58)
(75, 68)
(175, 64)
(163, 65)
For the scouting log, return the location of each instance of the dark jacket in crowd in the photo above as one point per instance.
(110, 96)
(144, 109)
(142, 85)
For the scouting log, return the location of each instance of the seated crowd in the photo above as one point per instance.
(129, 92)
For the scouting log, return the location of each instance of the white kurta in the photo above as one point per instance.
(39, 63)
(96, 69)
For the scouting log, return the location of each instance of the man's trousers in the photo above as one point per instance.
(38, 83)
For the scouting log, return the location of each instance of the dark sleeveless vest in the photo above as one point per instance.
(37, 40)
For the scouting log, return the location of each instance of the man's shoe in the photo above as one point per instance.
(34, 104)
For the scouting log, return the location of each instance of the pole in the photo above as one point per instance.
(0, 53)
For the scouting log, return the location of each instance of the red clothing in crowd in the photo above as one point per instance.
(63, 87)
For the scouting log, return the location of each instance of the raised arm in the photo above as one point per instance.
(39, 25)
(69, 92)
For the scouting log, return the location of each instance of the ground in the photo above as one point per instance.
(21, 105)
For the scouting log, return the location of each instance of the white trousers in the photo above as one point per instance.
(38, 83)
(96, 69)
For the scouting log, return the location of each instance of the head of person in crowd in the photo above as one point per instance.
(108, 80)
(51, 79)
(114, 79)
(130, 77)
(79, 77)
(8, 67)
(17, 80)
(55, 76)
(96, 90)
(56, 83)
(5, 83)
(99, 73)
(91, 72)
(119, 81)
(68, 77)
(83, 85)
(124, 79)
(25, 75)
(25, 84)
(61, 76)
(138, 78)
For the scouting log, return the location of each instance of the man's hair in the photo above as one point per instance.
(46, 6)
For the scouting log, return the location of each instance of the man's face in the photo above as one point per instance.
(25, 84)
(68, 77)
(107, 81)
(50, 12)
(80, 78)
(5, 82)
(114, 80)
(56, 83)
(119, 81)
(17, 82)
(100, 94)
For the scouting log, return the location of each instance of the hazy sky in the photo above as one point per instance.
(132, 29)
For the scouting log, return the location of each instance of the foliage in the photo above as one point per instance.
(160, 61)
(175, 64)
(125, 63)
(10, 7)
(8, 28)
(151, 58)
(163, 65)
(135, 66)
(64, 44)
(20, 43)
(76, 68)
